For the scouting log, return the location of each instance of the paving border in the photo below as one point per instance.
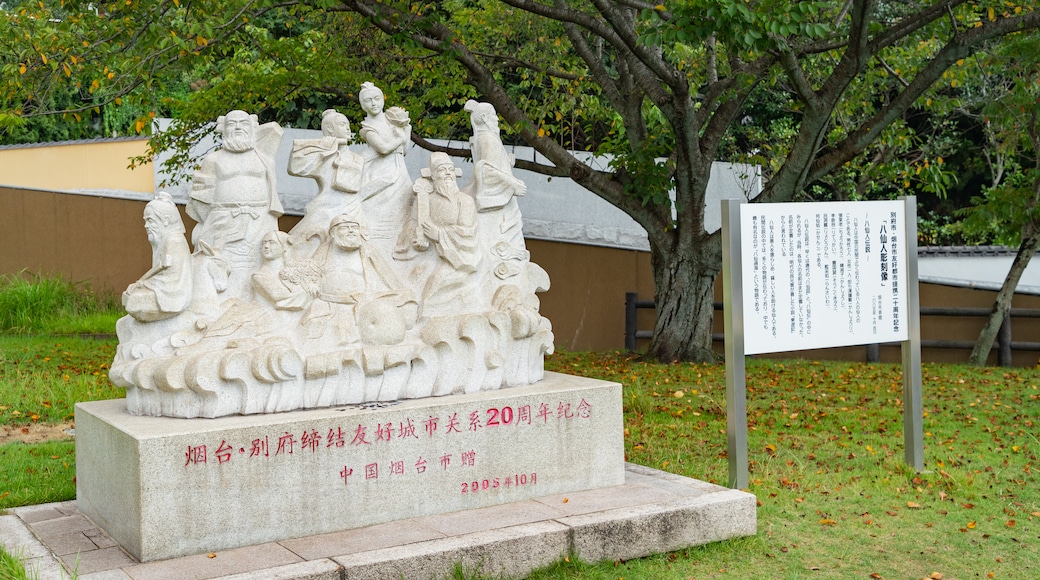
(652, 512)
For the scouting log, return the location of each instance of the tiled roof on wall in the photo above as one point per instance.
(966, 251)
(74, 142)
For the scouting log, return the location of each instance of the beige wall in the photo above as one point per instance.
(94, 240)
(76, 166)
(101, 241)
(586, 300)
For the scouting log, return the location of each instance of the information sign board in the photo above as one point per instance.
(827, 274)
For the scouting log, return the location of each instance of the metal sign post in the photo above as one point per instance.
(913, 405)
(736, 374)
(818, 275)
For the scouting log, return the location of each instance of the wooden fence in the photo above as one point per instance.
(1004, 345)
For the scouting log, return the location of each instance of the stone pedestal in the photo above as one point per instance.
(166, 487)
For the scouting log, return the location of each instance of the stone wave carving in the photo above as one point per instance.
(387, 289)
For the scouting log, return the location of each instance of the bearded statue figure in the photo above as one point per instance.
(165, 290)
(234, 198)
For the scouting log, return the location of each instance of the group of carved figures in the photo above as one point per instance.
(386, 289)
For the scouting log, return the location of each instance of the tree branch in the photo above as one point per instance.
(960, 46)
(440, 39)
(593, 61)
(540, 168)
(907, 26)
(622, 38)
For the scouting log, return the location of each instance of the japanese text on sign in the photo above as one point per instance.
(822, 274)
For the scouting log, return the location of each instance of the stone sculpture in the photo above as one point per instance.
(495, 190)
(336, 169)
(360, 295)
(233, 196)
(383, 291)
(385, 185)
(444, 220)
(165, 290)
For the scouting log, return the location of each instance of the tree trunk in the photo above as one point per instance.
(1002, 305)
(684, 281)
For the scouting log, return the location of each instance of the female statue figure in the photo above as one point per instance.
(385, 184)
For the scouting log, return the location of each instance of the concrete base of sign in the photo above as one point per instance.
(651, 512)
(166, 487)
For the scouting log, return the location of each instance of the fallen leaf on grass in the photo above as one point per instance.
(936, 576)
(876, 576)
(1010, 523)
(913, 506)
(828, 522)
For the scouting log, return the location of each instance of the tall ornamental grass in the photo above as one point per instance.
(35, 304)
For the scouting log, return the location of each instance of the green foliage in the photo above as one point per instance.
(11, 566)
(50, 304)
(1007, 210)
(940, 229)
(37, 473)
(110, 120)
(1008, 206)
(748, 26)
(43, 377)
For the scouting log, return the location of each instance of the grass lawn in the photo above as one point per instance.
(826, 463)
(826, 451)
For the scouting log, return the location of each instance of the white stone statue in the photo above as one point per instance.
(444, 221)
(336, 169)
(355, 277)
(495, 189)
(164, 301)
(165, 290)
(234, 196)
(259, 321)
(284, 286)
(281, 287)
(493, 185)
(385, 184)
